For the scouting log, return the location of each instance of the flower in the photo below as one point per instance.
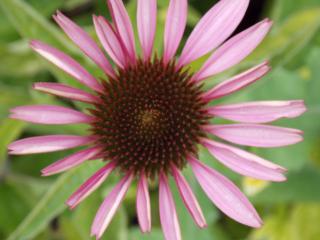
(147, 119)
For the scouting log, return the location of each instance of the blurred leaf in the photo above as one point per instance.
(11, 96)
(286, 41)
(52, 203)
(313, 76)
(17, 54)
(9, 131)
(302, 186)
(31, 24)
(13, 207)
(283, 8)
(135, 234)
(47, 7)
(301, 222)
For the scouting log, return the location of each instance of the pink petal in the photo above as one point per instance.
(146, 21)
(123, 25)
(84, 42)
(234, 50)
(244, 162)
(225, 195)
(188, 198)
(110, 206)
(46, 114)
(110, 41)
(259, 112)
(50, 143)
(66, 63)
(168, 215)
(237, 83)
(90, 185)
(62, 90)
(175, 25)
(71, 161)
(143, 204)
(256, 135)
(213, 29)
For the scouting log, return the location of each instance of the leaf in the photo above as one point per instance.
(52, 203)
(32, 25)
(9, 131)
(302, 186)
(13, 207)
(287, 40)
(135, 234)
(17, 54)
(300, 222)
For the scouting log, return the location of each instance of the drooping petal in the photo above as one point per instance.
(62, 90)
(188, 198)
(244, 162)
(146, 21)
(84, 42)
(90, 185)
(143, 204)
(46, 114)
(123, 25)
(256, 135)
(71, 161)
(110, 206)
(110, 41)
(67, 64)
(175, 25)
(225, 195)
(259, 112)
(237, 82)
(50, 143)
(213, 29)
(234, 50)
(168, 215)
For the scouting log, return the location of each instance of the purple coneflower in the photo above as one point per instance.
(147, 119)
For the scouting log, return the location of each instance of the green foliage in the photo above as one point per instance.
(33, 208)
(52, 203)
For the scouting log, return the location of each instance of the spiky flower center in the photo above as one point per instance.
(149, 118)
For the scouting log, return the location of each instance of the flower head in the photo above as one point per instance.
(149, 115)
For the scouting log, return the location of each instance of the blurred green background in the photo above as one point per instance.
(32, 207)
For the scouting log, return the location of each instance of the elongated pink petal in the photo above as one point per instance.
(225, 195)
(123, 25)
(244, 162)
(168, 215)
(146, 21)
(234, 50)
(90, 185)
(67, 64)
(50, 143)
(62, 90)
(256, 135)
(71, 161)
(237, 83)
(110, 41)
(175, 25)
(259, 112)
(46, 114)
(188, 198)
(84, 42)
(213, 29)
(143, 204)
(110, 206)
